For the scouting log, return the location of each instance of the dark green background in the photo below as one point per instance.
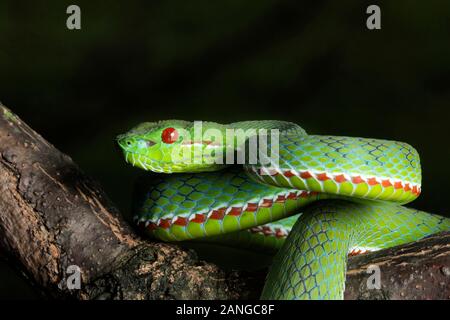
(313, 64)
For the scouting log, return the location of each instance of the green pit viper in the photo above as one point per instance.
(327, 197)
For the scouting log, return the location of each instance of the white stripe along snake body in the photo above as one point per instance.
(350, 192)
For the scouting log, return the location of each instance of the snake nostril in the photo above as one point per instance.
(124, 142)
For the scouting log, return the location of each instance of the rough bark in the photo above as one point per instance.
(419, 270)
(53, 216)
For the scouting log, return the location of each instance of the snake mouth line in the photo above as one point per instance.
(133, 155)
(141, 161)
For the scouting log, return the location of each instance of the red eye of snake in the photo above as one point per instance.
(169, 135)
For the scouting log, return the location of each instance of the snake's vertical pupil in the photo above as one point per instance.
(169, 135)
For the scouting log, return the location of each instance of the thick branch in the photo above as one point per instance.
(419, 270)
(53, 216)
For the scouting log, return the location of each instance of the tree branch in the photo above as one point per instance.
(53, 216)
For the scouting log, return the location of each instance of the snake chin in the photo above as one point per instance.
(148, 164)
(140, 161)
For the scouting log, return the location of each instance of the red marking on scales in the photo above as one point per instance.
(340, 178)
(164, 223)
(266, 230)
(251, 207)
(235, 211)
(292, 196)
(305, 175)
(280, 233)
(181, 221)
(357, 180)
(386, 183)
(266, 203)
(398, 185)
(218, 214)
(305, 194)
(356, 252)
(288, 174)
(322, 177)
(199, 218)
(273, 172)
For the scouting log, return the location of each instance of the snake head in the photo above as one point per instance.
(165, 146)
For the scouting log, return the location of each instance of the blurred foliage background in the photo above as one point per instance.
(315, 64)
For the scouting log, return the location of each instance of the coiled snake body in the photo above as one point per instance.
(325, 198)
